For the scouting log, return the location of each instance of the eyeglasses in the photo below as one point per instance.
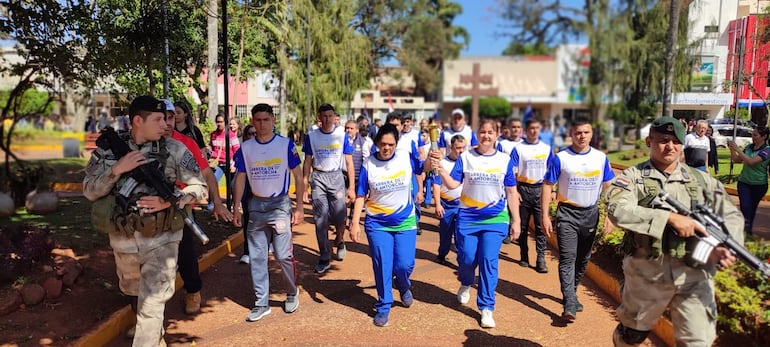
(220, 121)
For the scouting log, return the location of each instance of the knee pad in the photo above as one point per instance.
(625, 336)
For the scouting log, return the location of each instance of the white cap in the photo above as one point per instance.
(169, 105)
(458, 111)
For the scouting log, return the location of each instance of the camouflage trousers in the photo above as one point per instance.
(149, 274)
(649, 290)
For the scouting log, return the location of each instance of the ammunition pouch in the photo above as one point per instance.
(103, 213)
(151, 224)
(641, 246)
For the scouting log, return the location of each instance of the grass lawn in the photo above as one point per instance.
(633, 157)
(65, 170)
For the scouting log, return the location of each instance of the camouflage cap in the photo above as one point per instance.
(669, 126)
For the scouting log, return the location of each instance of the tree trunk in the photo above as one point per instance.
(150, 76)
(240, 57)
(213, 32)
(671, 38)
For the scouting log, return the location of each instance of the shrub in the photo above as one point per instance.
(21, 247)
(743, 298)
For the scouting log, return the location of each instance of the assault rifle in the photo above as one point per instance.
(718, 235)
(150, 174)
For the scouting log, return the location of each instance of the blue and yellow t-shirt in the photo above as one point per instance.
(579, 176)
(483, 200)
(389, 205)
(531, 161)
(328, 149)
(268, 165)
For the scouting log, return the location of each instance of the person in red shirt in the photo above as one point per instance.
(188, 254)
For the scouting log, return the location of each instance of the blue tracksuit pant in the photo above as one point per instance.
(447, 227)
(479, 248)
(392, 254)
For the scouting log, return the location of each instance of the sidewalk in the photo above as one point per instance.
(336, 308)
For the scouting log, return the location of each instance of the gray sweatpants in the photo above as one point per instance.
(270, 222)
(328, 193)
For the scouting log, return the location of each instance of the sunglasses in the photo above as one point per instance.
(252, 133)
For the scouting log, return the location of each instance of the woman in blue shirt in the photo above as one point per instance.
(391, 226)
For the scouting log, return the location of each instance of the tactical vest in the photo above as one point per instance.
(115, 213)
(670, 243)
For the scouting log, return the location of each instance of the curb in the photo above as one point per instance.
(121, 320)
(664, 329)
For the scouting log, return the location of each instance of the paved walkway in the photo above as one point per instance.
(336, 308)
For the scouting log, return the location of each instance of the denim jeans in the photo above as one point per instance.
(749, 196)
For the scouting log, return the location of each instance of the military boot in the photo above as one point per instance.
(192, 303)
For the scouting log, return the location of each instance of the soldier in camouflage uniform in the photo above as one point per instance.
(144, 230)
(658, 267)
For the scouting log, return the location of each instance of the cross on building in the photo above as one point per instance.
(475, 91)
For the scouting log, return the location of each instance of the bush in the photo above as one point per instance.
(22, 247)
(743, 298)
(489, 107)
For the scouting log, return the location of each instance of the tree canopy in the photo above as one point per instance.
(626, 43)
(489, 107)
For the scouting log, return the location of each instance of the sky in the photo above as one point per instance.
(482, 24)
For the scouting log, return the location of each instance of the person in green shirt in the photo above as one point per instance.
(752, 181)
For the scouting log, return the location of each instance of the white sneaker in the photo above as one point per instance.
(464, 294)
(245, 259)
(487, 321)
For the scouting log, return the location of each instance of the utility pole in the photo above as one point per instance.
(213, 44)
(347, 91)
(738, 76)
(226, 79)
(307, 69)
(671, 38)
(282, 93)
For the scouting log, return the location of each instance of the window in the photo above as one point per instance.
(241, 111)
(711, 29)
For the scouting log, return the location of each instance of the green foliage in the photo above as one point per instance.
(336, 50)
(626, 44)
(743, 113)
(489, 107)
(742, 297)
(382, 23)
(518, 48)
(428, 39)
(31, 102)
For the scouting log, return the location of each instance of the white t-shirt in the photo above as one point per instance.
(445, 140)
(696, 149)
(268, 165)
(507, 145)
(449, 196)
(328, 149)
(531, 159)
(579, 176)
(387, 186)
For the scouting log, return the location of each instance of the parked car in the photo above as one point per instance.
(718, 124)
(722, 133)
